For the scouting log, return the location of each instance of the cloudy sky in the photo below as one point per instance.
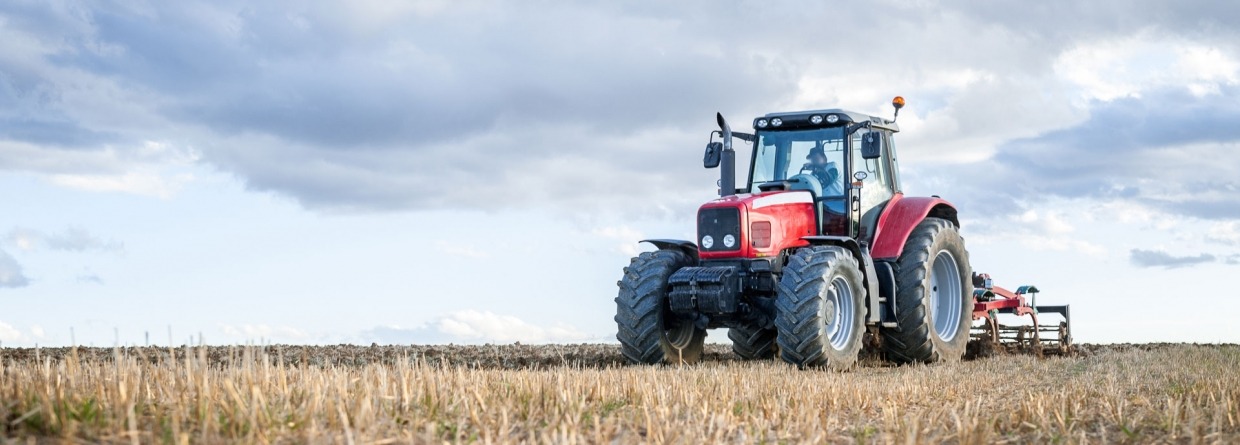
(394, 172)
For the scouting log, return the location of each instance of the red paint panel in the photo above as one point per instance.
(898, 221)
(787, 223)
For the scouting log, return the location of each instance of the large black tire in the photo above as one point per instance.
(820, 309)
(752, 342)
(933, 314)
(648, 331)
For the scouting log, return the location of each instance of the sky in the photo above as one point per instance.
(479, 172)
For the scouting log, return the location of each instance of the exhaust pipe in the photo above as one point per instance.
(727, 165)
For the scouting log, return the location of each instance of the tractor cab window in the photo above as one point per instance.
(812, 159)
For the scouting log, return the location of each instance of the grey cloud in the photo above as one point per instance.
(1158, 258)
(1165, 149)
(583, 107)
(298, 73)
(11, 275)
(1232, 259)
(1075, 20)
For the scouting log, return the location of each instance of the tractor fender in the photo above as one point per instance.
(688, 247)
(899, 219)
(870, 273)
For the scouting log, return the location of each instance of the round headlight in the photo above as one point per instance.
(761, 123)
(831, 118)
(815, 119)
(729, 240)
(777, 122)
(707, 241)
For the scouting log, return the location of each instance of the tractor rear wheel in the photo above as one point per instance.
(648, 331)
(753, 343)
(934, 296)
(820, 308)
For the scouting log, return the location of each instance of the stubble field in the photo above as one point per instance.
(1166, 393)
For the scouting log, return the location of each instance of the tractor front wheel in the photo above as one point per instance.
(648, 331)
(820, 308)
(753, 342)
(934, 296)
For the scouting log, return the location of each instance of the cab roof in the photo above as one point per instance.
(844, 115)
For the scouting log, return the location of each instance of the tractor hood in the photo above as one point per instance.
(755, 225)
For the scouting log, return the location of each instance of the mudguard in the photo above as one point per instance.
(901, 217)
(688, 247)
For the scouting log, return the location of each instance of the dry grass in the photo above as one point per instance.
(1175, 393)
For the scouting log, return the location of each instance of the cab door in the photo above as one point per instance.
(876, 186)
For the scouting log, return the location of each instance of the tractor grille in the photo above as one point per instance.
(717, 224)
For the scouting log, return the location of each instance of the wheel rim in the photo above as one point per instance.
(840, 326)
(945, 301)
(680, 336)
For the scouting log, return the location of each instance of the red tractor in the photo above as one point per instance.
(819, 247)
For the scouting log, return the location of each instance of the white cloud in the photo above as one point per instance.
(72, 239)
(149, 168)
(1050, 222)
(1038, 230)
(139, 183)
(1062, 244)
(626, 236)
(488, 326)
(264, 332)
(472, 326)
(1227, 232)
(10, 334)
(1126, 67)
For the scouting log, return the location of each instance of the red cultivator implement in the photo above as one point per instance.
(990, 301)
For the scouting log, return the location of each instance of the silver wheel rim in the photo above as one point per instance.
(945, 295)
(840, 328)
(680, 337)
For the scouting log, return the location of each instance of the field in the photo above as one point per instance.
(1167, 393)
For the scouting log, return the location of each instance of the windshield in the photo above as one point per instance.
(784, 154)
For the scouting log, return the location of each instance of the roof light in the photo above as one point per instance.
(815, 119)
(777, 122)
(761, 123)
(831, 118)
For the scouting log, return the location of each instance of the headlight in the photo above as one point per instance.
(761, 123)
(777, 122)
(831, 118)
(729, 240)
(708, 241)
(815, 119)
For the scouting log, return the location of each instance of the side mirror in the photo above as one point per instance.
(871, 146)
(713, 152)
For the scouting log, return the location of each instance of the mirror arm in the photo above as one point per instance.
(857, 126)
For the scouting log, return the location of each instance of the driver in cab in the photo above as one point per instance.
(826, 171)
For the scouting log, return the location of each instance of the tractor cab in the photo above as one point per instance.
(844, 159)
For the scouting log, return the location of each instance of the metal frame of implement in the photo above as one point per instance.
(989, 301)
